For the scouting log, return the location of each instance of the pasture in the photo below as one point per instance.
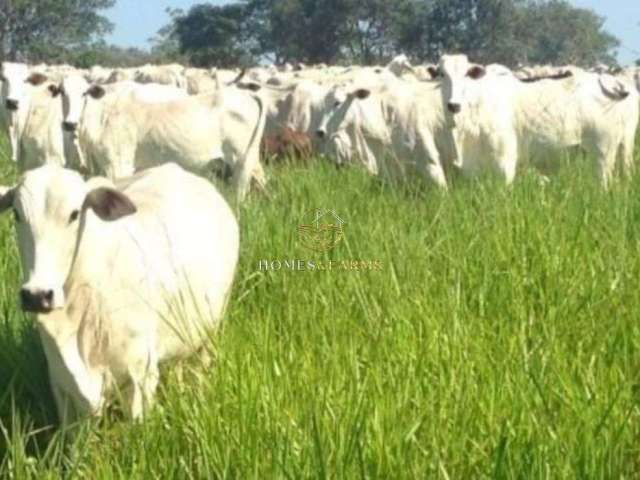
(500, 340)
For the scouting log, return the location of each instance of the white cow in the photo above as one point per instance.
(121, 75)
(34, 118)
(303, 105)
(397, 129)
(16, 78)
(172, 75)
(98, 74)
(496, 118)
(200, 81)
(122, 130)
(121, 277)
(401, 67)
(299, 105)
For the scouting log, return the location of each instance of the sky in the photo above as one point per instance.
(135, 25)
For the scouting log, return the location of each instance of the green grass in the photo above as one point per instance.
(501, 340)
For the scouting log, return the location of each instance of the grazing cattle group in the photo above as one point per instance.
(129, 255)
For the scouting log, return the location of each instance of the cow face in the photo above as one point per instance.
(49, 206)
(334, 99)
(16, 82)
(76, 92)
(353, 124)
(459, 78)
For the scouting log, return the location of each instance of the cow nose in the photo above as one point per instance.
(320, 133)
(69, 126)
(454, 107)
(38, 301)
(11, 104)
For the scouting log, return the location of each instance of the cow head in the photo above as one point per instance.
(333, 100)
(75, 92)
(458, 81)
(16, 80)
(50, 204)
(400, 65)
(354, 123)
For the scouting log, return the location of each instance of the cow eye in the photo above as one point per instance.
(74, 216)
(16, 216)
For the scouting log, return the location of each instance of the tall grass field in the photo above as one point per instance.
(499, 339)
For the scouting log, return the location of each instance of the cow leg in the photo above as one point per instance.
(457, 148)
(241, 180)
(507, 168)
(606, 166)
(13, 139)
(627, 158)
(606, 151)
(144, 377)
(432, 166)
(139, 395)
(507, 157)
(259, 178)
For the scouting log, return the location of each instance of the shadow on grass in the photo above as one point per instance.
(27, 408)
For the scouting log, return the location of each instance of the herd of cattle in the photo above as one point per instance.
(395, 120)
(129, 255)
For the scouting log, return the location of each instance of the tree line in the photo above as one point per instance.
(249, 32)
(511, 32)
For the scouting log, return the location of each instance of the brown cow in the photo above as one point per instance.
(287, 143)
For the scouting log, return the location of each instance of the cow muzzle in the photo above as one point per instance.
(37, 301)
(321, 133)
(454, 107)
(69, 126)
(11, 105)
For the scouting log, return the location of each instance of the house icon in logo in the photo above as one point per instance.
(321, 230)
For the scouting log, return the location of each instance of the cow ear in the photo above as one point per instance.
(55, 90)
(36, 79)
(6, 197)
(362, 93)
(96, 92)
(476, 72)
(434, 72)
(109, 204)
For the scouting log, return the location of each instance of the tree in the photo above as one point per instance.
(166, 44)
(310, 31)
(507, 31)
(556, 32)
(326, 31)
(37, 30)
(212, 35)
(110, 56)
(372, 31)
